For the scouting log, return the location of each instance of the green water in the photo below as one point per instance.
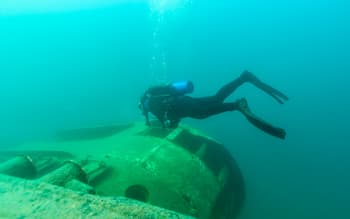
(66, 67)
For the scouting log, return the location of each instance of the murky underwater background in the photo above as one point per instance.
(74, 64)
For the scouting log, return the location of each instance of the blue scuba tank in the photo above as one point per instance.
(182, 87)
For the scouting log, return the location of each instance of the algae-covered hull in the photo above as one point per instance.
(179, 171)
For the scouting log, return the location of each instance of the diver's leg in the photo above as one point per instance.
(213, 109)
(276, 94)
(199, 108)
(242, 106)
(229, 88)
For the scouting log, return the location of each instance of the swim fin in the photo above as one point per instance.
(276, 94)
(242, 106)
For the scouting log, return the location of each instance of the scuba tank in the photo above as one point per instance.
(175, 88)
(182, 87)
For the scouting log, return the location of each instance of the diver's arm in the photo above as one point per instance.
(162, 121)
(148, 123)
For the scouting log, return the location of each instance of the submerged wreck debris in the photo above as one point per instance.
(31, 199)
(19, 166)
(70, 170)
(129, 171)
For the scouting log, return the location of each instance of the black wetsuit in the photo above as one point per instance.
(170, 108)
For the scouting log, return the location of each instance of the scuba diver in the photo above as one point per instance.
(169, 103)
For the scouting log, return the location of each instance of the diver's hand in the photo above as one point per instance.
(167, 123)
